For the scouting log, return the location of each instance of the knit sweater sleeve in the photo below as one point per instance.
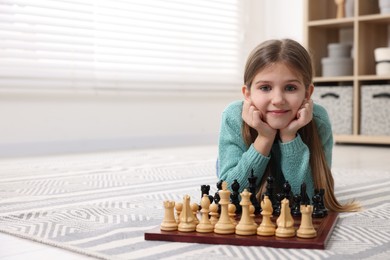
(295, 155)
(236, 160)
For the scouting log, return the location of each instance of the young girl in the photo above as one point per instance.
(277, 130)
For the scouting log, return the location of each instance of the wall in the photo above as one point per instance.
(37, 122)
(44, 122)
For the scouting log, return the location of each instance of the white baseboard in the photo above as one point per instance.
(86, 146)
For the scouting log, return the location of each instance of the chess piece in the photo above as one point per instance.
(305, 200)
(246, 224)
(322, 202)
(224, 225)
(306, 229)
(216, 195)
(205, 189)
(187, 223)
(285, 222)
(287, 191)
(266, 228)
(234, 196)
(205, 225)
(252, 189)
(279, 198)
(270, 189)
(214, 216)
(232, 213)
(252, 215)
(169, 222)
(296, 208)
(179, 208)
(317, 211)
(340, 8)
(195, 208)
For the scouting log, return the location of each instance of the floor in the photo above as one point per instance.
(344, 156)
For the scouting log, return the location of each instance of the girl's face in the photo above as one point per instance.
(278, 93)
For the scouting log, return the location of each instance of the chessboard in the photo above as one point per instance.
(324, 227)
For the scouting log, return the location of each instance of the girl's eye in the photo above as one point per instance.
(265, 88)
(291, 87)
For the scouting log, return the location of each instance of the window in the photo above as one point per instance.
(128, 44)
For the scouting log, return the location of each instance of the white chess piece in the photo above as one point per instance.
(169, 222)
(246, 226)
(266, 228)
(224, 224)
(306, 229)
(205, 225)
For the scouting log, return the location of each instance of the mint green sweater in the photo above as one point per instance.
(236, 160)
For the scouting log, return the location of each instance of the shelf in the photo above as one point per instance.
(333, 79)
(332, 23)
(352, 78)
(375, 18)
(366, 31)
(362, 139)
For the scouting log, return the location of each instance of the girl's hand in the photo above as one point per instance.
(252, 116)
(304, 116)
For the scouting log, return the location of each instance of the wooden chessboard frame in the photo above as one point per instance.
(324, 227)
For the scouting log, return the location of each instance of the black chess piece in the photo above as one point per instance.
(234, 196)
(270, 189)
(296, 208)
(317, 212)
(205, 189)
(287, 191)
(252, 189)
(305, 200)
(217, 198)
(322, 203)
(278, 204)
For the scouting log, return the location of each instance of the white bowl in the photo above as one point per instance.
(382, 54)
(337, 50)
(333, 67)
(383, 68)
(384, 6)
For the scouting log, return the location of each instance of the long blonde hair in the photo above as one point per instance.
(296, 57)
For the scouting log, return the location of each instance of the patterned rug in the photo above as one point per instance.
(102, 204)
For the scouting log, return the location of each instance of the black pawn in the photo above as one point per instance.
(205, 189)
(278, 204)
(296, 208)
(270, 189)
(322, 203)
(234, 196)
(217, 198)
(317, 212)
(305, 200)
(252, 189)
(287, 191)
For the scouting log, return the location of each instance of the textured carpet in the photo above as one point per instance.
(101, 204)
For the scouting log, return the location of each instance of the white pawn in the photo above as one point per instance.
(214, 216)
(306, 229)
(179, 208)
(205, 225)
(232, 213)
(195, 208)
(169, 223)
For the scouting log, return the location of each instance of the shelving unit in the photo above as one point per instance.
(368, 30)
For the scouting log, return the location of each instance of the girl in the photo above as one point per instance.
(277, 130)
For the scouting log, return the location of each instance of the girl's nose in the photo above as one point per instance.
(278, 98)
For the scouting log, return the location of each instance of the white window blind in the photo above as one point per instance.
(128, 44)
